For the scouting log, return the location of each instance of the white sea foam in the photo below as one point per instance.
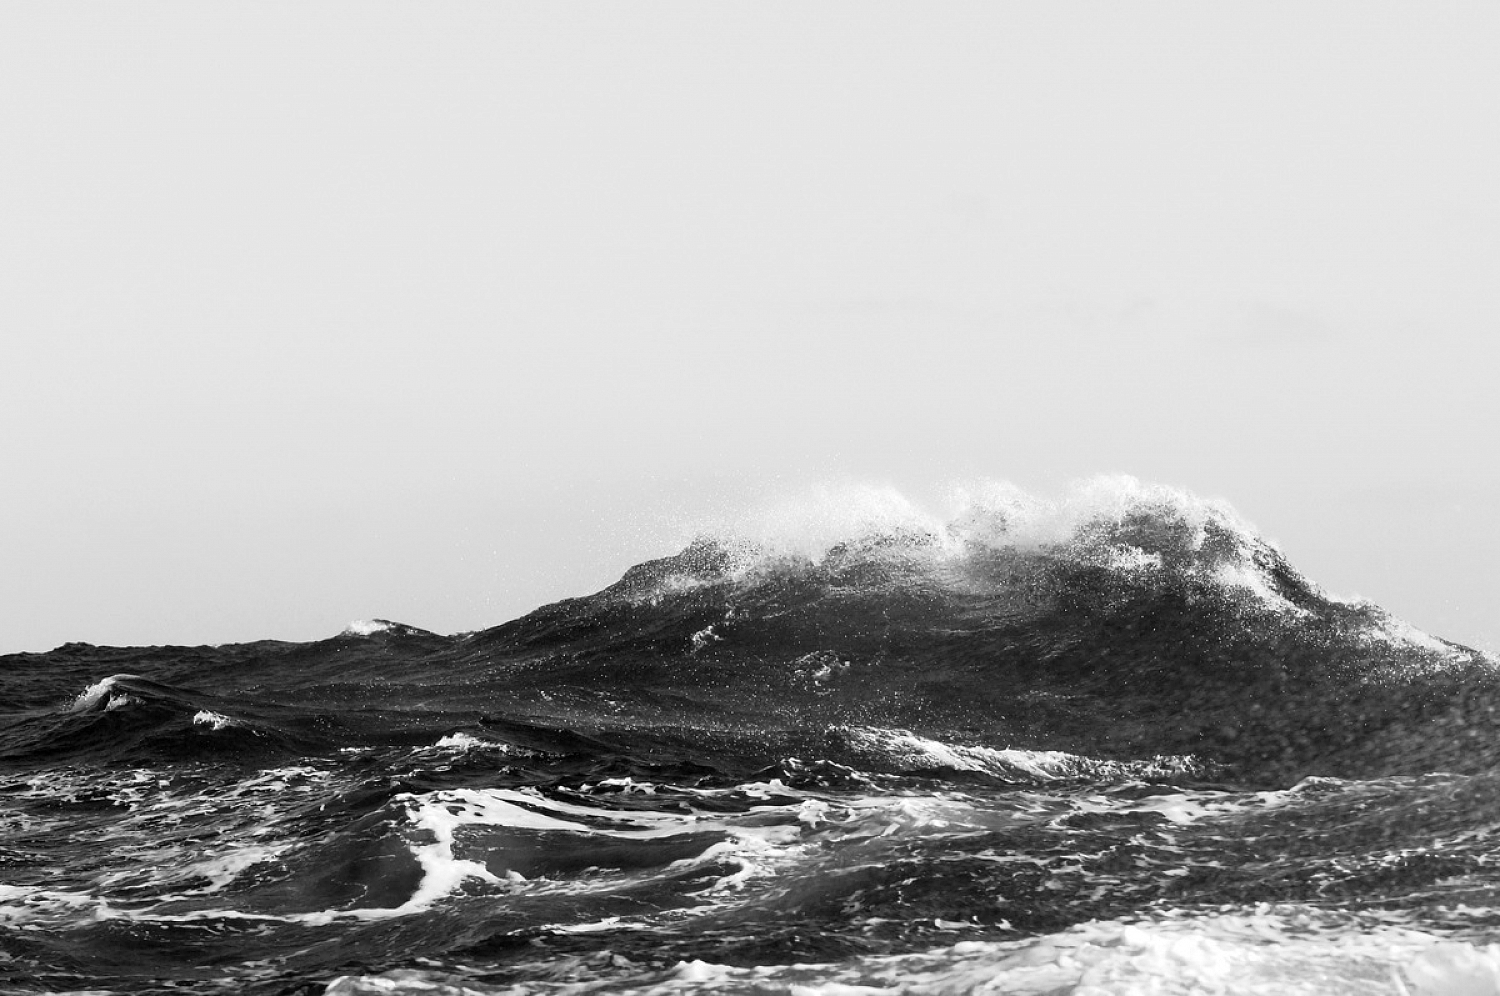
(521, 809)
(442, 871)
(220, 870)
(1129, 559)
(738, 848)
(913, 752)
(704, 637)
(1254, 954)
(22, 904)
(1117, 522)
(1000, 515)
(465, 742)
(628, 785)
(461, 840)
(983, 515)
(212, 720)
(441, 828)
(1399, 633)
(1271, 953)
(95, 693)
(1244, 575)
(444, 815)
(1185, 807)
(368, 627)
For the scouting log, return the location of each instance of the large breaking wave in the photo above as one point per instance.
(1113, 740)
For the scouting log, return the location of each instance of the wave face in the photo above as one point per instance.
(1114, 742)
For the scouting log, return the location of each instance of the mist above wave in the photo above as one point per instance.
(1142, 534)
(977, 516)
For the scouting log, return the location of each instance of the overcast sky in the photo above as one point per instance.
(436, 312)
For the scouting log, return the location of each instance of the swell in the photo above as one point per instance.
(130, 718)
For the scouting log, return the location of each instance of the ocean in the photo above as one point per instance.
(1113, 744)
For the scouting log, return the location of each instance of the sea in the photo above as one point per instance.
(1108, 743)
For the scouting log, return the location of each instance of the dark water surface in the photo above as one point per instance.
(1137, 753)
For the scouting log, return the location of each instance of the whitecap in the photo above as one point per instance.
(912, 752)
(95, 693)
(1271, 953)
(212, 720)
(368, 627)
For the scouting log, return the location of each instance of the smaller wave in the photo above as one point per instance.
(464, 741)
(366, 627)
(95, 693)
(212, 720)
(127, 715)
(375, 627)
(463, 744)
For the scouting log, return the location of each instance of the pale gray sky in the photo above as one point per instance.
(436, 312)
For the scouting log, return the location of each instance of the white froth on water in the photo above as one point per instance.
(442, 871)
(750, 846)
(92, 695)
(367, 627)
(520, 809)
(913, 752)
(465, 742)
(986, 514)
(22, 904)
(701, 971)
(1116, 522)
(222, 869)
(1242, 574)
(212, 720)
(1258, 953)
(811, 523)
(1000, 515)
(1254, 954)
(1399, 633)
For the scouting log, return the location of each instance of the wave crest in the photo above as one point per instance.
(1138, 531)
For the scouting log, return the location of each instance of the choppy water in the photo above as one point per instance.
(1111, 745)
